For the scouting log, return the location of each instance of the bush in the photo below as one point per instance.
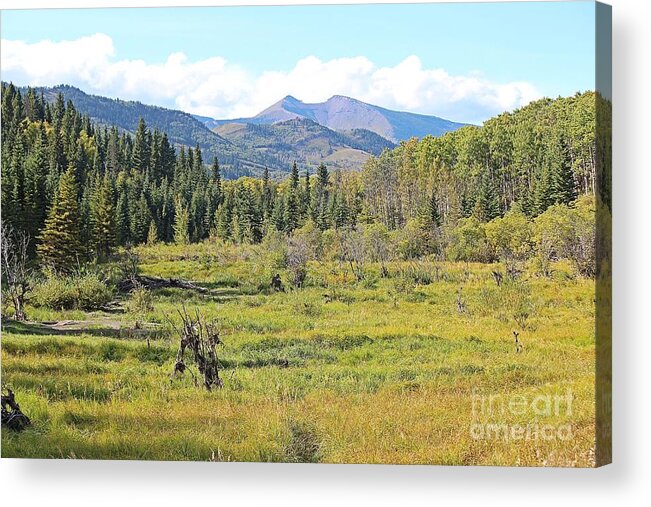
(141, 301)
(511, 236)
(468, 242)
(83, 291)
(419, 273)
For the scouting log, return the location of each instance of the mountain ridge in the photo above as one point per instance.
(285, 135)
(345, 113)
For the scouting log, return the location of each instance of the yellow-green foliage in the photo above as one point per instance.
(85, 291)
(385, 371)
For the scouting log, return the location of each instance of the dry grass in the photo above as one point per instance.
(375, 376)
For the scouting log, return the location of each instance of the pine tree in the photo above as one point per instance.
(487, 206)
(140, 158)
(562, 184)
(152, 234)
(266, 197)
(278, 216)
(543, 197)
(294, 177)
(103, 219)
(122, 219)
(140, 218)
(292, 202)
(36, 169)
(292, 212)
(306, 196)
(181, 224)
(217, 181)
(320, 199)
(224, 217)
(60, 246)
(433, 214)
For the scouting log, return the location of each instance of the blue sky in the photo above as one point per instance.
(546, 47)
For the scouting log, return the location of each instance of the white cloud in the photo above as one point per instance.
(221, 89)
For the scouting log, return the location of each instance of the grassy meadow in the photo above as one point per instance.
(383, 370)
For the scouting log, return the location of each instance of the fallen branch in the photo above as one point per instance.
(151, 283)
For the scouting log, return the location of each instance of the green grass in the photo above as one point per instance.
(384, 373)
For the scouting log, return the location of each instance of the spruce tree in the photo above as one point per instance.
(152, 233)
(433, 214)
(140, 157)
(543, 196)
(181, 224)
(487, 206)
(266, 197)
(306, 197)
(60, 246)
(563, 187)
(103, 219)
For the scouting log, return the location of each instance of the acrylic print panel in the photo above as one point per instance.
(246, 234)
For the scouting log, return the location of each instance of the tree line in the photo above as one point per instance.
(80, 190)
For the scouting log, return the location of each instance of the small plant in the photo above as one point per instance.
(401, 287)
(141, 303)
(461, 303)
(518, 343)
(419, 273)
(303, 445)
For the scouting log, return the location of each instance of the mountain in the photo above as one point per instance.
(341, 132)
(344, 113)
(306, 142)
(181, 128)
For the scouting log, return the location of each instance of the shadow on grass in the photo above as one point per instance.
(47, 329)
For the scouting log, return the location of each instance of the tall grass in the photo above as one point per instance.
(338, 371)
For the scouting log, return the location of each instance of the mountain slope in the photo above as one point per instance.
(306, 142)
(345, 113)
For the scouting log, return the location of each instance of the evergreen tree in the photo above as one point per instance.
(306, 196)
(433, 213)
(122, 219)
(103, 219)
(487, 205)
(224, 218)
(141, 155)
(152, 234)
(543, 196)
(278, 216)
(60, 246)
(320, 199)
(266, 197)
(181, 224)
(562, 185)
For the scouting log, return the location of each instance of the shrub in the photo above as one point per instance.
(511, 236)
(141, 301)
(468, 242)
(419, 273)
(81, 291)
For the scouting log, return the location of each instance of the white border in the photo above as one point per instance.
(626, 482)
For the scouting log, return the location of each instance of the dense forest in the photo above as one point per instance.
(80, 190)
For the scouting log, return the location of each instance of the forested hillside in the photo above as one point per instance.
(243, 150)
(305, 142)
(80, 190)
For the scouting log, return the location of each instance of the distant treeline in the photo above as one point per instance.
(80, 190)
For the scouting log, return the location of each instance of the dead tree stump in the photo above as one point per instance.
(12, 417)
(201, 339)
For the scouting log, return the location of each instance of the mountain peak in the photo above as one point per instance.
(342, 113)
